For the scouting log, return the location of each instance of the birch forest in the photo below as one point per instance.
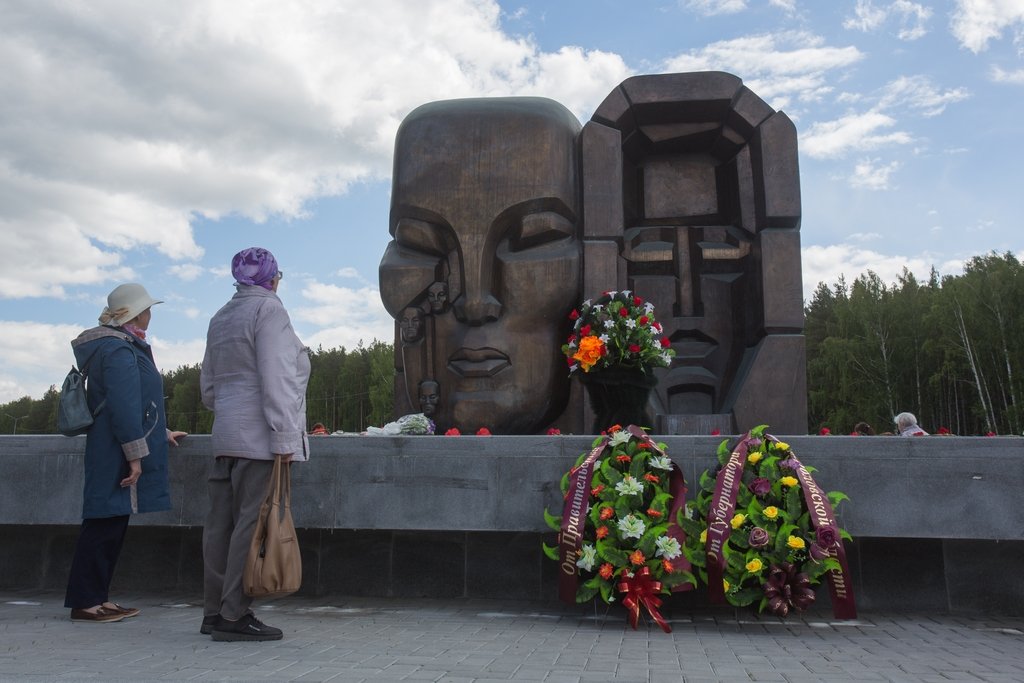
(949, 350)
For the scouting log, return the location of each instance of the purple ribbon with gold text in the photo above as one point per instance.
(574, 521)
(723, 505)
(840, 586)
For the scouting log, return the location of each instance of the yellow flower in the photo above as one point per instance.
(795, 542)
(788, 481)
(590, 351)
(754, 457)
(704, 536)
(771, 512)
(738, 521)
(725, 585)
(781, 446)
(754, 566)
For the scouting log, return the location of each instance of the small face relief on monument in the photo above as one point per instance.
(437, 297)
(430, 396)
(411, 324)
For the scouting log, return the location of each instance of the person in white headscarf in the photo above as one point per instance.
(906, 425)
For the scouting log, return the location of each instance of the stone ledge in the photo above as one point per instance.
(934, 487)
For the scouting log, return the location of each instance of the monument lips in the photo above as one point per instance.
(478, 362)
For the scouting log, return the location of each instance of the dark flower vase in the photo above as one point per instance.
(619, 397)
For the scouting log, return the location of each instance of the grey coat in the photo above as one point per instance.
(254, 378)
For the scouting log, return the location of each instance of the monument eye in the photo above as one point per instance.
(422, 236)
(536, 229)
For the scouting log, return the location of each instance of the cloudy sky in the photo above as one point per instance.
(148, 142)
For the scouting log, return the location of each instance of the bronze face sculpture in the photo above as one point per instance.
(485, 201)
(683, 188)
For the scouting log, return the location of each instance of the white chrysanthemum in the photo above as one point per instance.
(666, 359)
(620, 437)
(648, 308)
(660, 462)
(629, 487)
(630, 323)
(585, 303)
(588, 558)
(609, 324)
(668, 548)
(631, 526)
(612, 294)
(604, 338)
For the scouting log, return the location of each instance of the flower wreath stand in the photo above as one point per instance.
(618, 533)
(762, 529)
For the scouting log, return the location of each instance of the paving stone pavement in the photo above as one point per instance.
(345, 640)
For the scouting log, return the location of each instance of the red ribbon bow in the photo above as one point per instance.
(641, 589)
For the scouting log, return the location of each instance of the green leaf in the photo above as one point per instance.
(794, 502)
(836, 497)
(707, 482)
(564, 483)
(724, 452)
(746, 596)
(610, 474)
(646, 544)
(586, 593)
(606, 591)
(736, 562)
(609, 553)
(690, 527)
(551, 552)
(555, 522)
(678, 578)
(843, 534)
(816, 571)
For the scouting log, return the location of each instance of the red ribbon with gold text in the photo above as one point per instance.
(840, 586)
(723, 505)
(574, 521)
(642, 590)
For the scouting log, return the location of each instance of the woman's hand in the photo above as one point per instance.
(134, 472)
(172, 437)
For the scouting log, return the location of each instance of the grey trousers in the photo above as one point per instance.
(237, 487)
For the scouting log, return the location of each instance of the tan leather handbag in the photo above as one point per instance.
(274, 565)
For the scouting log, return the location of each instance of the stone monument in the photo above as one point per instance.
(682, 187)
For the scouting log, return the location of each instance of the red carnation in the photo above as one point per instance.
(454, 431)
(585, 330)
(665, 343)
(643, 320)
(824, 431)
(624, 312)
(574, 315)
(483, 431)
(634, 348)
(637, 301)
(554, 431)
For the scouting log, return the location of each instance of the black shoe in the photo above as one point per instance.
(208, 624)
(246, 628)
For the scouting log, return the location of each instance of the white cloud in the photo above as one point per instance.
(852, 133)
(828, 263)
(1015, 77)
(920, 94)
(787, 5)
(125, 121)
(188, 272)
(780, 68)
(865, 236)
(171, 355)
(911, 17)
(361, 311)
(871, 174)
(976, 22)
(29, 369)
(710, 8)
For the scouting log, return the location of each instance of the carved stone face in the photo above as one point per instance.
(484, 198)
(437, 297)
(411, 324)
(430, 394)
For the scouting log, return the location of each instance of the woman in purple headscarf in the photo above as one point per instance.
(253, 378)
